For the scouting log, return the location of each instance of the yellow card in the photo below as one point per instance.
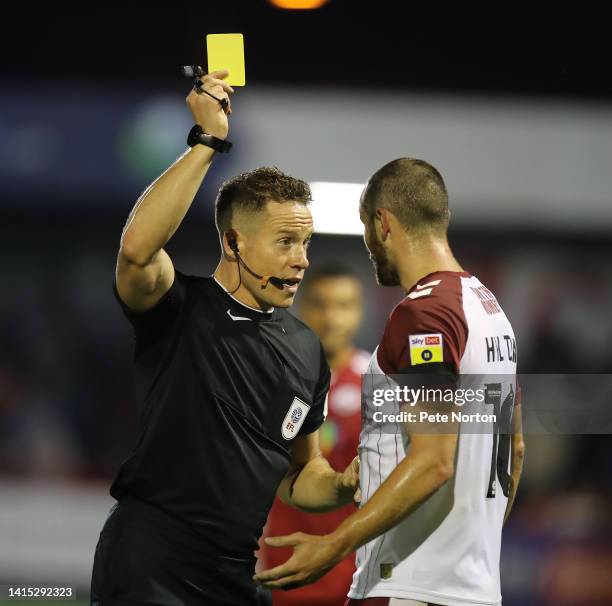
(226, 51)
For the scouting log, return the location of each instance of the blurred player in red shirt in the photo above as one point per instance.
(332, 306)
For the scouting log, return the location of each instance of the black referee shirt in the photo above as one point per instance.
(223, 389)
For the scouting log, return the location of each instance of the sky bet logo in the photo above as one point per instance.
(425, 349)
(424, 340)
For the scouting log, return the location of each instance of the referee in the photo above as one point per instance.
(231, 387)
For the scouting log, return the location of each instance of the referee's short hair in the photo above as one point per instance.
(251, 190)
(413, 190)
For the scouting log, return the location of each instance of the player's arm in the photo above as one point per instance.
(517, 450)
(428, 465)
(311, 484)
(144, 270)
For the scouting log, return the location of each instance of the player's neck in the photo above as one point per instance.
(422, 257)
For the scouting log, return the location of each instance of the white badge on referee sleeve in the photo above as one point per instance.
(294, 418)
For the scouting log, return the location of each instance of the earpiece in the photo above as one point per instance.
(231, 242)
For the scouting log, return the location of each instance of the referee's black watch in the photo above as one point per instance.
(197, 135)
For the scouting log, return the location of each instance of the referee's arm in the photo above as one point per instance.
(144, 270)
(311, 484)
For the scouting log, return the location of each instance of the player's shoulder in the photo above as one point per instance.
(434, 297)
(431, 317)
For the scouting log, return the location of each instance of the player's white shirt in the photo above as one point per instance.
(447, 551)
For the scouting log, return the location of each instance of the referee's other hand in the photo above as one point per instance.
(207, 112)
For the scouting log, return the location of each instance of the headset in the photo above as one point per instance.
(278, 282)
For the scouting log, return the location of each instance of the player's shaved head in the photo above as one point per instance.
(244, 196)
(412, 190)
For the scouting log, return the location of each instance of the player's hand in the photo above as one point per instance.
(207, 112)
(313, 556)
(348, 483)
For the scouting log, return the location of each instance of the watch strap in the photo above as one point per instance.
(198, 136)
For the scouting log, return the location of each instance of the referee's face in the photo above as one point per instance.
(276, 244)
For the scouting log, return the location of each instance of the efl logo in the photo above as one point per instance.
(294, 418)
(432, 340)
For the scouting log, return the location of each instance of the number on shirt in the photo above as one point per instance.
(500, 453)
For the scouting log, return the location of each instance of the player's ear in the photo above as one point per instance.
(383, 218)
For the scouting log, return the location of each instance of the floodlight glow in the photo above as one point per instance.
(335, 208)
(298, 4)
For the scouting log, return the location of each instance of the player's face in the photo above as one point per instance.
(277, 246)
(386, 273)
(332, 307)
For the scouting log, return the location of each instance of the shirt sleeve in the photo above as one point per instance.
(318, 412)
(423, 336)
(148, 325)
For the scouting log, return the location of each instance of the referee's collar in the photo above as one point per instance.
(249, 312)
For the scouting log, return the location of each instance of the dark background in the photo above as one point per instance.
(494, 48)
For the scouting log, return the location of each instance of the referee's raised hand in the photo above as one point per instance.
(207, 112)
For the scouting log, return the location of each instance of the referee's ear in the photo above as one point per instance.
(232, 242)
